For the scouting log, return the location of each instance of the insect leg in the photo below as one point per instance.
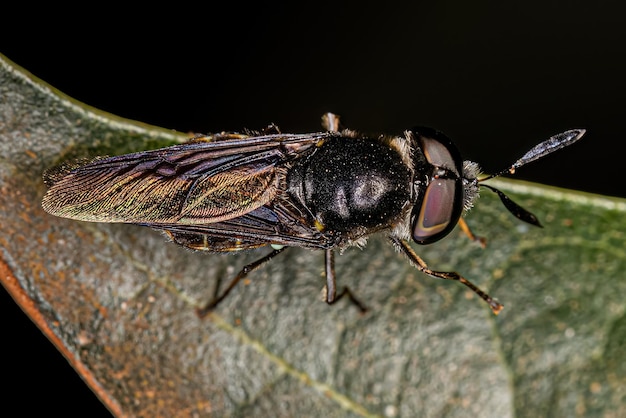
(202, 312)
(465, 228)
(495, 306)
(330, 122)
(331, 284)
(224, 136)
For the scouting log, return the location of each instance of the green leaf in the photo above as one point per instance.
(118, 300)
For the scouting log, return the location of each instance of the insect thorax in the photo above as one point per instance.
(352, 186)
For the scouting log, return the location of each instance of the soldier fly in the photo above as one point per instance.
(325, 191)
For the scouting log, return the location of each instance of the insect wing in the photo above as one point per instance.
(192, 183)
(278, 223)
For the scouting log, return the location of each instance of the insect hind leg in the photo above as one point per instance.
(248, 268)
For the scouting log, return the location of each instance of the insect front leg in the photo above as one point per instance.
(331, 284)
(495, 306)
(202, 312)
(482, 241)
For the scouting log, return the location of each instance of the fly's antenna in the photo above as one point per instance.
(548, 146)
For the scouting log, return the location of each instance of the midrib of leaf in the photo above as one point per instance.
(558, 194)
(244, 338)
(324, 389)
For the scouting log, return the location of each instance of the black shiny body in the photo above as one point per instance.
(327, 190)
(351, 187)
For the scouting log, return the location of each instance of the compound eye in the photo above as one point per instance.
(439, 211)
(438, 154)
(439, 208)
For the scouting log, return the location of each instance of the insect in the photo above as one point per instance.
(324, 191)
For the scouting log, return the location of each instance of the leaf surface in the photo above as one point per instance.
(118, 301)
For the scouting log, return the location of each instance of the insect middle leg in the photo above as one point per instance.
(248, 268)
(331, 284)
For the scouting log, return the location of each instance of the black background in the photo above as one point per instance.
(496, 77)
